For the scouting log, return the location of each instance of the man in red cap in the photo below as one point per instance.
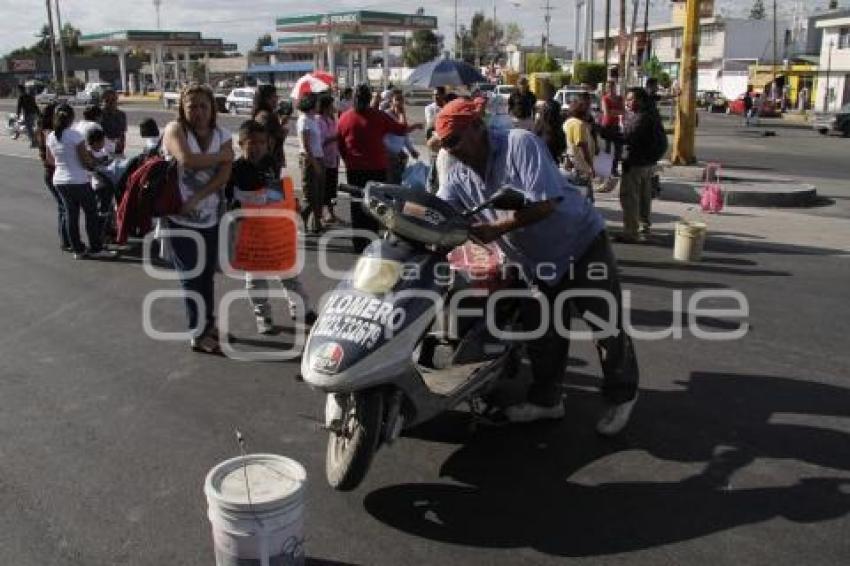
(559, 242)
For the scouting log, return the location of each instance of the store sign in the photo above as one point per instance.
(22, 65)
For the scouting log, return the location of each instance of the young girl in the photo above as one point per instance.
(330, 149)
(312, 162)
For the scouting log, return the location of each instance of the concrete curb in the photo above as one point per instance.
(776, 195)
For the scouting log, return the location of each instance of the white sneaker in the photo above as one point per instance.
(103, 254)
(529, 412)
(615, 418)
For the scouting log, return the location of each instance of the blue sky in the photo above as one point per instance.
(242, 21)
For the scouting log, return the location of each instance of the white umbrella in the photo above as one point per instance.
(310, 83)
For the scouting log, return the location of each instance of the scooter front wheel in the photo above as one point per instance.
(353, 441)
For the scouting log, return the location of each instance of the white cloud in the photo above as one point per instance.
(242, 21)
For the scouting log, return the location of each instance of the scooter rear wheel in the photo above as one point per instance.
(350, 449)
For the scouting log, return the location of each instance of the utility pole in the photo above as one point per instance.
(773, 70)
(621, 45)
(607, 35)
(457, 37)
(547, 18)
(826, 92)
(645, 55)
(627, 74)
(684, 152)
(62, 50)
(591, 9)
(52, 40)
(157, 4)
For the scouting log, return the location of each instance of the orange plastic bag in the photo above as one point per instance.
(267, 243)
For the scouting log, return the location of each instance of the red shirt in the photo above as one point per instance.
(361, 138)
(615, 107)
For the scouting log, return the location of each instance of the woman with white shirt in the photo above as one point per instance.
(66, 151)
(204, 153)
(312, 165)
(398, 147)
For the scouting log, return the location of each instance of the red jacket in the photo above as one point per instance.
(361, 138)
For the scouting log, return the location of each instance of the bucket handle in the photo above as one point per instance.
(264, 543)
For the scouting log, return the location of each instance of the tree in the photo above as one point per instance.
(540, 63)
(757, 11)
(512, 34)
(652, 68)
(263, 41)
(424, 46)
(586, 72)
(71, 36)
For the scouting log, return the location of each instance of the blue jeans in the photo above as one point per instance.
(185, 257)
(60, 205)
(76, 197)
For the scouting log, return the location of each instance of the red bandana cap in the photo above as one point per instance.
(456, 116)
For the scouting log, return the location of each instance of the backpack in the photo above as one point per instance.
(152, 190)
(158, 186)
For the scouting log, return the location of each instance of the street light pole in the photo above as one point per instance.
(457, 37)
(828, 71)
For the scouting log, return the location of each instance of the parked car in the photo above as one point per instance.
(171, 96)
(712, 100)
(240, 100)
(828, 122)
(91, 94)
(504, 91)
(567, 96)
(486, 89)
(767, 108)
(46, 97)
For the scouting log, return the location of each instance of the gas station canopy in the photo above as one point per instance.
(156, 42)
(344, 41)
(356, 21)
(349, 32)
(151, 39)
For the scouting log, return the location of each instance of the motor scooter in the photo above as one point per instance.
(386, 348)
(15, 125)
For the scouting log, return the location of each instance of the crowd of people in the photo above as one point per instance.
(77, 157)
(473, 154)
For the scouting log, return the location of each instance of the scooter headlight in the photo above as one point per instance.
(375, 275)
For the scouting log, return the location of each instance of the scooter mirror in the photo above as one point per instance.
(508, 198)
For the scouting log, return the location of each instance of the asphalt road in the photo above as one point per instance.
(739, 452)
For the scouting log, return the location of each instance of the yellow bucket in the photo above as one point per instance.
(690, 238)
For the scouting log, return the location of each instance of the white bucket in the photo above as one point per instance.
(690, 238)
(263, 525)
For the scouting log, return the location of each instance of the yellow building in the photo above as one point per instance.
(797, 74)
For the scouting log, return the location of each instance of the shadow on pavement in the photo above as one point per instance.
(532, 486)
(705, 266)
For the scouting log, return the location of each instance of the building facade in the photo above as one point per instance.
(727, 46)
(833, 79)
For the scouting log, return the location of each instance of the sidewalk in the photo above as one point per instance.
(768, 229)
